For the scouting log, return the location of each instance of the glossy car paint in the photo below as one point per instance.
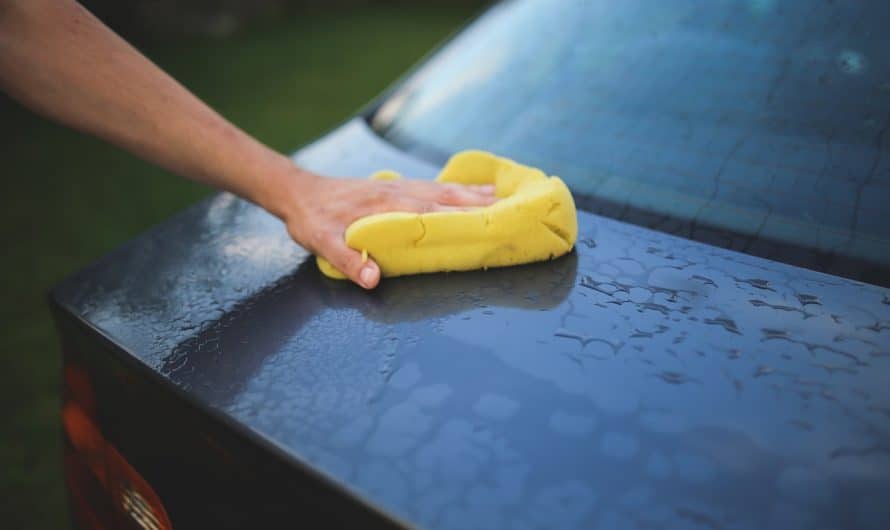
(642, 381)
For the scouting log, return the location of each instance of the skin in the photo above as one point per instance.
(61, 61)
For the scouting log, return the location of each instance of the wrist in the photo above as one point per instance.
(285, 189)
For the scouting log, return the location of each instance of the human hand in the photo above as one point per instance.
(321, 208)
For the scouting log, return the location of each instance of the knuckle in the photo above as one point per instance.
(449, 194)
(315, 239)
(404, 204)
(350, 262)
(373, 196)
(385, 196)
(393, 199)
(329, 239)
(418, 206)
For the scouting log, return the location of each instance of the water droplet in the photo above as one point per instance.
(726, 323)
(675, 378)
(763, 370)
(806, 299)
(851, 62)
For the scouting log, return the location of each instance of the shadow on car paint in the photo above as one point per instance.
(283, 308)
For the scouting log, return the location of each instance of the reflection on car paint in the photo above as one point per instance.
(642, 381)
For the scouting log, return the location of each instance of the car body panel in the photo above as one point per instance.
(643, 379)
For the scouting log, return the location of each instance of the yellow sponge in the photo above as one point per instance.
(534, 220)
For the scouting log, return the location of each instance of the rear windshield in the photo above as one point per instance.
(758, 125)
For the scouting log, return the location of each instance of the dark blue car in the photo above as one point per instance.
(714, 354)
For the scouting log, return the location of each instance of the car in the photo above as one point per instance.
(715, 352)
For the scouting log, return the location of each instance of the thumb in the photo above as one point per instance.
(362, 271)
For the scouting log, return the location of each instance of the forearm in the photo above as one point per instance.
(58, 59)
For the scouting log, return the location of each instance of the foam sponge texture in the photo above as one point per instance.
(533, 220)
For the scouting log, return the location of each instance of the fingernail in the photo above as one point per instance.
(366, 276)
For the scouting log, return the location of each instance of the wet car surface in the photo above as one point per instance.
(644, 380)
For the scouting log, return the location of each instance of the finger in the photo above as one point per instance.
(413, 206)
(395, 203)
(408, 201)
(429, 206)
(456, 195)
(363, 272)
(484, 189)
(450, 194)
(436, 207)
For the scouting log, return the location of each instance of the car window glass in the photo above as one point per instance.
(738, 122)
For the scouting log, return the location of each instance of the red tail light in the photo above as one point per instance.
(106, 492)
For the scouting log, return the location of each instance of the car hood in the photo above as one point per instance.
(641, 379)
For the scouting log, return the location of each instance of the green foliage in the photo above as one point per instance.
(69, 198)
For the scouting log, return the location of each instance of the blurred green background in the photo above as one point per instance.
(283, 71)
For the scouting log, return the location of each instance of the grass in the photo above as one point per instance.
(67, 198)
